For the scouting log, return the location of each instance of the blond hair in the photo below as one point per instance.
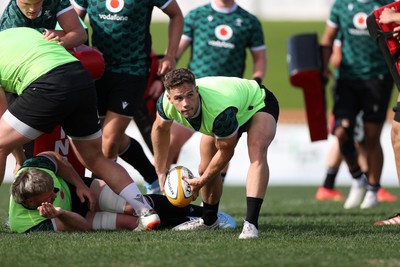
(31, 182)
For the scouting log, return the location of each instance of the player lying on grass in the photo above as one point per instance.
(48, 195)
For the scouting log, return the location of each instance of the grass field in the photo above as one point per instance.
(295, 230)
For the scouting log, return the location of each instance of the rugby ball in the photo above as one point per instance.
(177, 190)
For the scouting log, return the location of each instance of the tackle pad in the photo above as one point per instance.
(305, 71)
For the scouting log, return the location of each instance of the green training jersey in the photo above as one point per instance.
(25, 56)
(219, 40)
(22, 219)
(47, 19)
(219, 94)
(121, 31)
(361, 56)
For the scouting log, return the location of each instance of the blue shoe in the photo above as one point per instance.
(153, 188)
(226, 221)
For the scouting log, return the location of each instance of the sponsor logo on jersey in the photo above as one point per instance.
(223, 33)
(115, 6)
(360, 24)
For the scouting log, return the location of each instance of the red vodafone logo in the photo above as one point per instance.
(360, 21)
(223, 32)
(115, 5)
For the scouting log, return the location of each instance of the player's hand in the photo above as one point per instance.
(195, 184)
(51, 36)
(167, 63)
(83, 192)
(386, 16)
(48, 211)
(156, 89)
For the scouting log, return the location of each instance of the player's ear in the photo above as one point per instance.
(168, 97)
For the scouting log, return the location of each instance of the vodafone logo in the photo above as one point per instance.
(360, 21)
(223, 32)
(115, 5)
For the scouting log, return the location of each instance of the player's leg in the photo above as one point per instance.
(10, 139)
(395, 138)
(210, 192)
(261, 132)
(375, 104)
(327, 190)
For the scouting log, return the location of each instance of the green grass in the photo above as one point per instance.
(276, 34)
(295, 230)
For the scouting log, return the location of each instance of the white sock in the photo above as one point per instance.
(134, 197)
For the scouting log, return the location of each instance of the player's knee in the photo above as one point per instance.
(104, 221)
(109, 201)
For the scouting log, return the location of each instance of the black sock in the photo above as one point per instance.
(373, 188)
(330, 178)
(210, 213)
(357, 173)
(253, 210)
(135, 156)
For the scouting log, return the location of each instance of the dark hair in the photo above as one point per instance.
(177, 77)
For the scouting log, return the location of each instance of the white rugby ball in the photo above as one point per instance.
(177, 190)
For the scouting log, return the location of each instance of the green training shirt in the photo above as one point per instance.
(25, 56)
(362, 58)
(240, 97)
(121, 31)
(22, 219)
(47, 19)
(220, 38)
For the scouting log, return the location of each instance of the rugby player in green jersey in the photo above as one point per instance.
(221, 108)
(219, 34)
(48, 195)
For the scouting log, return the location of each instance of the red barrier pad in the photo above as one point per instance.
(305, 71)
(91, 59)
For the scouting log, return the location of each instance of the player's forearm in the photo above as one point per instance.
(175, 30)
(72, 221)
(160, 142)
(216, 165)
(73, 39)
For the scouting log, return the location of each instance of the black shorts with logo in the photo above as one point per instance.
(64, 96)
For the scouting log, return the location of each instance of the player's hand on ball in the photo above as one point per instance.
(195, 184)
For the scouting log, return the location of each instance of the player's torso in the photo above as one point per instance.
(219, 42)
(361, 57)
(121, 32)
